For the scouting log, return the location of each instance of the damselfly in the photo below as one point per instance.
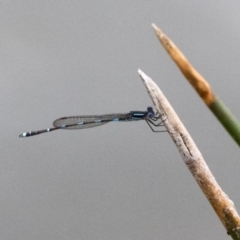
(79, 122)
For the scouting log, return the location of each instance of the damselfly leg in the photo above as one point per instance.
(156, 121)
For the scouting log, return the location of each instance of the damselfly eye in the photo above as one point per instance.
(150, 114)
(150, 109)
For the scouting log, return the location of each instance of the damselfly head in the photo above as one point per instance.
(150, 112)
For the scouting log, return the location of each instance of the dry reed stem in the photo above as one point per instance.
(193, 76)
(220, 202)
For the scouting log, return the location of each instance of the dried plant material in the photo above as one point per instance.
(196, 80)
(220, 202)
(222, 113)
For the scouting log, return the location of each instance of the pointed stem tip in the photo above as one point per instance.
(154, 26)
(140, 71)
(142, 75)
(157, 30)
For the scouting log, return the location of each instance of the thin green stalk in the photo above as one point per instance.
(226, 118)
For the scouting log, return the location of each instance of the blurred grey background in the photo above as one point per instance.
(120, 180)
